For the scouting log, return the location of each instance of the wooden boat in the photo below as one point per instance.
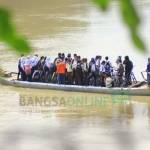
(139, 91)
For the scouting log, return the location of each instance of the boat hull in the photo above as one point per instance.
(141, 91)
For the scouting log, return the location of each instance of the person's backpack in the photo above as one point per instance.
(27, 69)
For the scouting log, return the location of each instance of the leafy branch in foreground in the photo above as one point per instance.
(9, 35)
(130, 18)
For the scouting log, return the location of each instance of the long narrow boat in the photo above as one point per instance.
(140, 91)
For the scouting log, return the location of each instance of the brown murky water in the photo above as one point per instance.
(40, 119)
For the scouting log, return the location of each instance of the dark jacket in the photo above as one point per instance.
(128, 65)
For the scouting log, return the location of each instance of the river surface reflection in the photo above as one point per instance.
(42, 119)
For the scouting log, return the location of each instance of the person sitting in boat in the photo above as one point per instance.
(109, 83)
(60, 70)
(148, 72)
(128, 65)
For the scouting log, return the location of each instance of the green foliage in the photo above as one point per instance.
(130, 18)
(9, 35)
(102, 3)
(129, 14)
(138, 41)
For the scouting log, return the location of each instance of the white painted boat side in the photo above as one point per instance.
(141, 91)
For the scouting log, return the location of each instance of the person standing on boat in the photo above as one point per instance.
(78, 73)
(92, 72)
(108, 66)
(69, 57)
(47, 69)
(63, 56)
(107, 60)
(97, 63)
(108, 69)
(69, 70)
(34, 63)
(40, 67)
(119, 59)
(21, 71)
(119, 73)
(102, 73)
(57, 58)
(74, 66)
(128, 70)
(28, 68)
(148, 72)
(84, 66)
(60, 70)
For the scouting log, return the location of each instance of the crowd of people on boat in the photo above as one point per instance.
(74, 70)
(148, 72)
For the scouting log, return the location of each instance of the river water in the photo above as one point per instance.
(41, 119)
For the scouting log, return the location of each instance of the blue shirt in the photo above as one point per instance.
(148, 67)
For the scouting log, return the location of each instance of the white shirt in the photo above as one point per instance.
(84, 66)
(98, 62)
(48, 62)
(102, 68)
(74, 65)
(69, 67)
(93, 67)
(34, 60)
(28, 61)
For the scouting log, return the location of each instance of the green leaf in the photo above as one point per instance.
(102, 3)
(129, 14)
(138, 41)
(9, 35)
(132, 20)
(19, 44)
